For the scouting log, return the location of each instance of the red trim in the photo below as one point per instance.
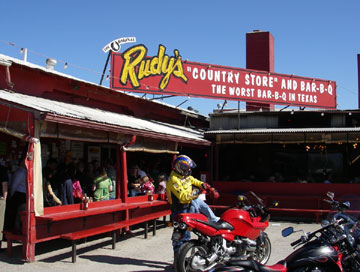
(124, 191)
(118, 172)
(30, 232)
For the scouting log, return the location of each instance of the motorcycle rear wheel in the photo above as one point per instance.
(263, 250)
(191, 257)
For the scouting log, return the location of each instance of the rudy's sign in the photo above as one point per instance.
(134, 71)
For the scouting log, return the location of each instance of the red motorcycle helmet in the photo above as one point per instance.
(183, 165)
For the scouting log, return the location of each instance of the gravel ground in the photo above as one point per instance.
(131, 253)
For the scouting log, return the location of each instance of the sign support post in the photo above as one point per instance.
(259, 56)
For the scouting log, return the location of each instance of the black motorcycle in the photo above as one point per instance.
(333, 247)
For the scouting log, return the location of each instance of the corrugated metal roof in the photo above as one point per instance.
(285, 130)
(44, 69)
(100, 116)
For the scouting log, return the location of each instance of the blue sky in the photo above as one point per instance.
(319, 39)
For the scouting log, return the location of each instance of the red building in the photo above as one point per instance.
(77, 120)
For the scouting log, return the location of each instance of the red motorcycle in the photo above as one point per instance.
(238, 233)
(334, 247)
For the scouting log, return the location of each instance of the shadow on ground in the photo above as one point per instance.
(162, 266)
(61, 245)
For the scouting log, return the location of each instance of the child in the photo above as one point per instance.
(77, 191)
(162, 184)
(147, 185)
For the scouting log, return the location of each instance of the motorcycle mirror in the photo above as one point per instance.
(330, 195)
(286, 232)
(275, 203)
(324, 223)
(346, 204)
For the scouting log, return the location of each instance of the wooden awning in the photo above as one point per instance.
(76, 122)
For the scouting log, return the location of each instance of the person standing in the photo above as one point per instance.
(16, 199)
(50, 198)
(4, 178)
(111, 173)
(102, 185)
(162, 179)
(62, 183)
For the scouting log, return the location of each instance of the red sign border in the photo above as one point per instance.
(169, 92)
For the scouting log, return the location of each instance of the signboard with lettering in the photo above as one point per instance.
(134, 71)
(115, 45)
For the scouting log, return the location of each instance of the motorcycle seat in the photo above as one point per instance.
(218, 225)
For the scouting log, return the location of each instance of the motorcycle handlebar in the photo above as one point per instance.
(311, 235)
(296, 242)
(339, 239)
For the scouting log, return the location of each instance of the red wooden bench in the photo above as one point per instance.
(10, 237)
(75, 236)
(316, 212)
(71, 223)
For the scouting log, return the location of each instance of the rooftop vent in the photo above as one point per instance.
(5, 62)
(50, 64)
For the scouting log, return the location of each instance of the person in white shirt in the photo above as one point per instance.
(16, 199)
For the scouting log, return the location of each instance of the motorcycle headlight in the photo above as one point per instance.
(175, 224)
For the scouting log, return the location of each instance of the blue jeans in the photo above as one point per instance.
(199, 206)
(176, 244)
(66, 194)
(133, 192)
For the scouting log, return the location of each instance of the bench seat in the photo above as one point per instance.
(75, 236)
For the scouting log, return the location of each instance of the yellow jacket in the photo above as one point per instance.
(181, 187)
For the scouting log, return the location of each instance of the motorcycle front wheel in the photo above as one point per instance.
(263, 250)
(191, 257)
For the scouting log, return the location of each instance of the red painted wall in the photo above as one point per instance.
(290, 195)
